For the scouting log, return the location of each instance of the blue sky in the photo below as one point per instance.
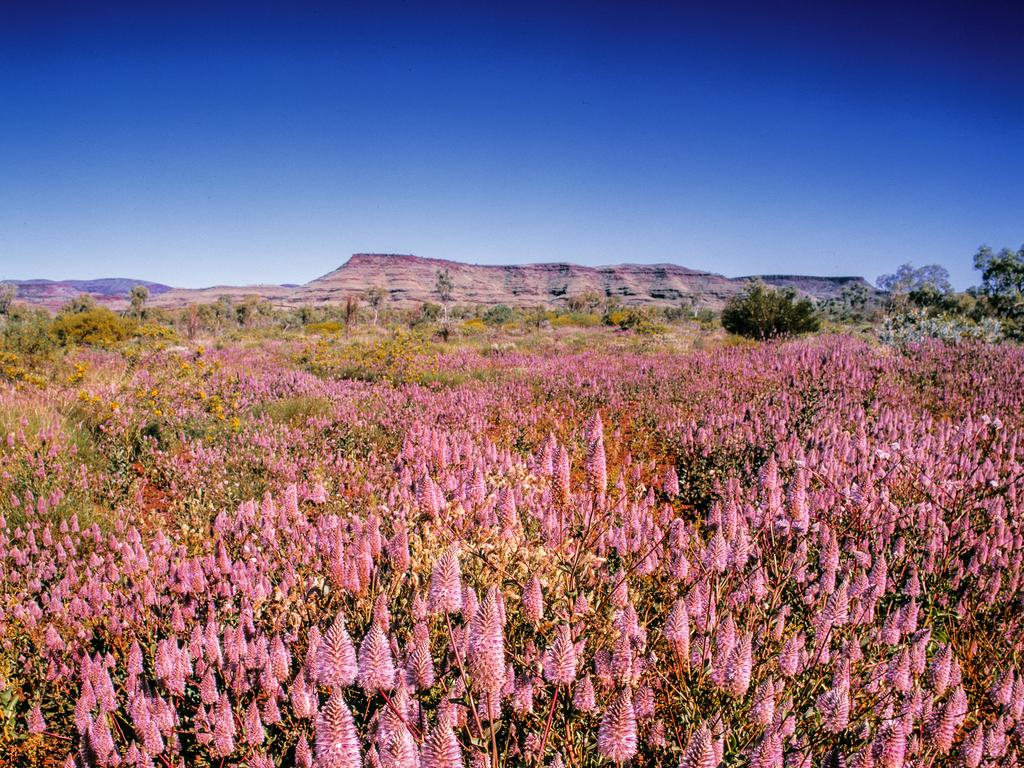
(197, 144)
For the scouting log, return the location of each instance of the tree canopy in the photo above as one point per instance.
(762, 313)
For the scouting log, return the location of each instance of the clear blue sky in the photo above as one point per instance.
(198, 143)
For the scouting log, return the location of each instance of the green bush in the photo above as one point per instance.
(326, 328)
(580, 319)
(706, 317)
(763, 313)
(498, 315)
(428, 312)
(1002, 288)
(98, 326)
(27, 331)
(632, 319)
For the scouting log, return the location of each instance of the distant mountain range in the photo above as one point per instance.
(53, 293)
(410, 280)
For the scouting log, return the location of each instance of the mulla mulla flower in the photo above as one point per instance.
(583, 697)
(337, 743)
(36, 724)
(487, 645)
(834, 706)
(560, 659)
(739, 665)
(440, 749)
(337, 665)
(376, 667)
(890, 745)
(617, 735)
(400, 751)
(700, 750)
(677, 630)
(533, 601)
(254, 733)
(596, 466)
(223, 728)
(446, 583)
(419, 667)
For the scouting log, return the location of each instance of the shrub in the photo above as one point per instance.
(915, 327)
(326, 328)
(98, 327)
(391, 358)
(83, 302)
(7, 293)
(15, 369)
(428, 312)
(575, 318)
(498, 315)
(156, 332)
(675, 314)
(632, 320)
(763, 313)
(27, 331)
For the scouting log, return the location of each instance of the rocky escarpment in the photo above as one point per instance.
(410, 280)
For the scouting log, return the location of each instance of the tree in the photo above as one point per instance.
(428, 313)
(7, 293)
(856, 303)
(762, 313)
(193, 320)
(921, 286)
(1002, 285)
(243, 312)
(375, 297)
(351, 309)
(444, 287)
(139, 295)
(588, 301)
(83, 302)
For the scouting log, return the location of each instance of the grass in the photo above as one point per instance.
(294, 411)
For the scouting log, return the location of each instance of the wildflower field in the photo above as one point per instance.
(803, 553)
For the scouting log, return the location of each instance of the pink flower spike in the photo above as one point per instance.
(616, 738)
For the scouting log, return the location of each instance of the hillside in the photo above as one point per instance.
(106, 290)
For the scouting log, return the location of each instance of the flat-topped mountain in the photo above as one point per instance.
(410, 280)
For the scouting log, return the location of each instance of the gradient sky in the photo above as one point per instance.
(196, 144)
